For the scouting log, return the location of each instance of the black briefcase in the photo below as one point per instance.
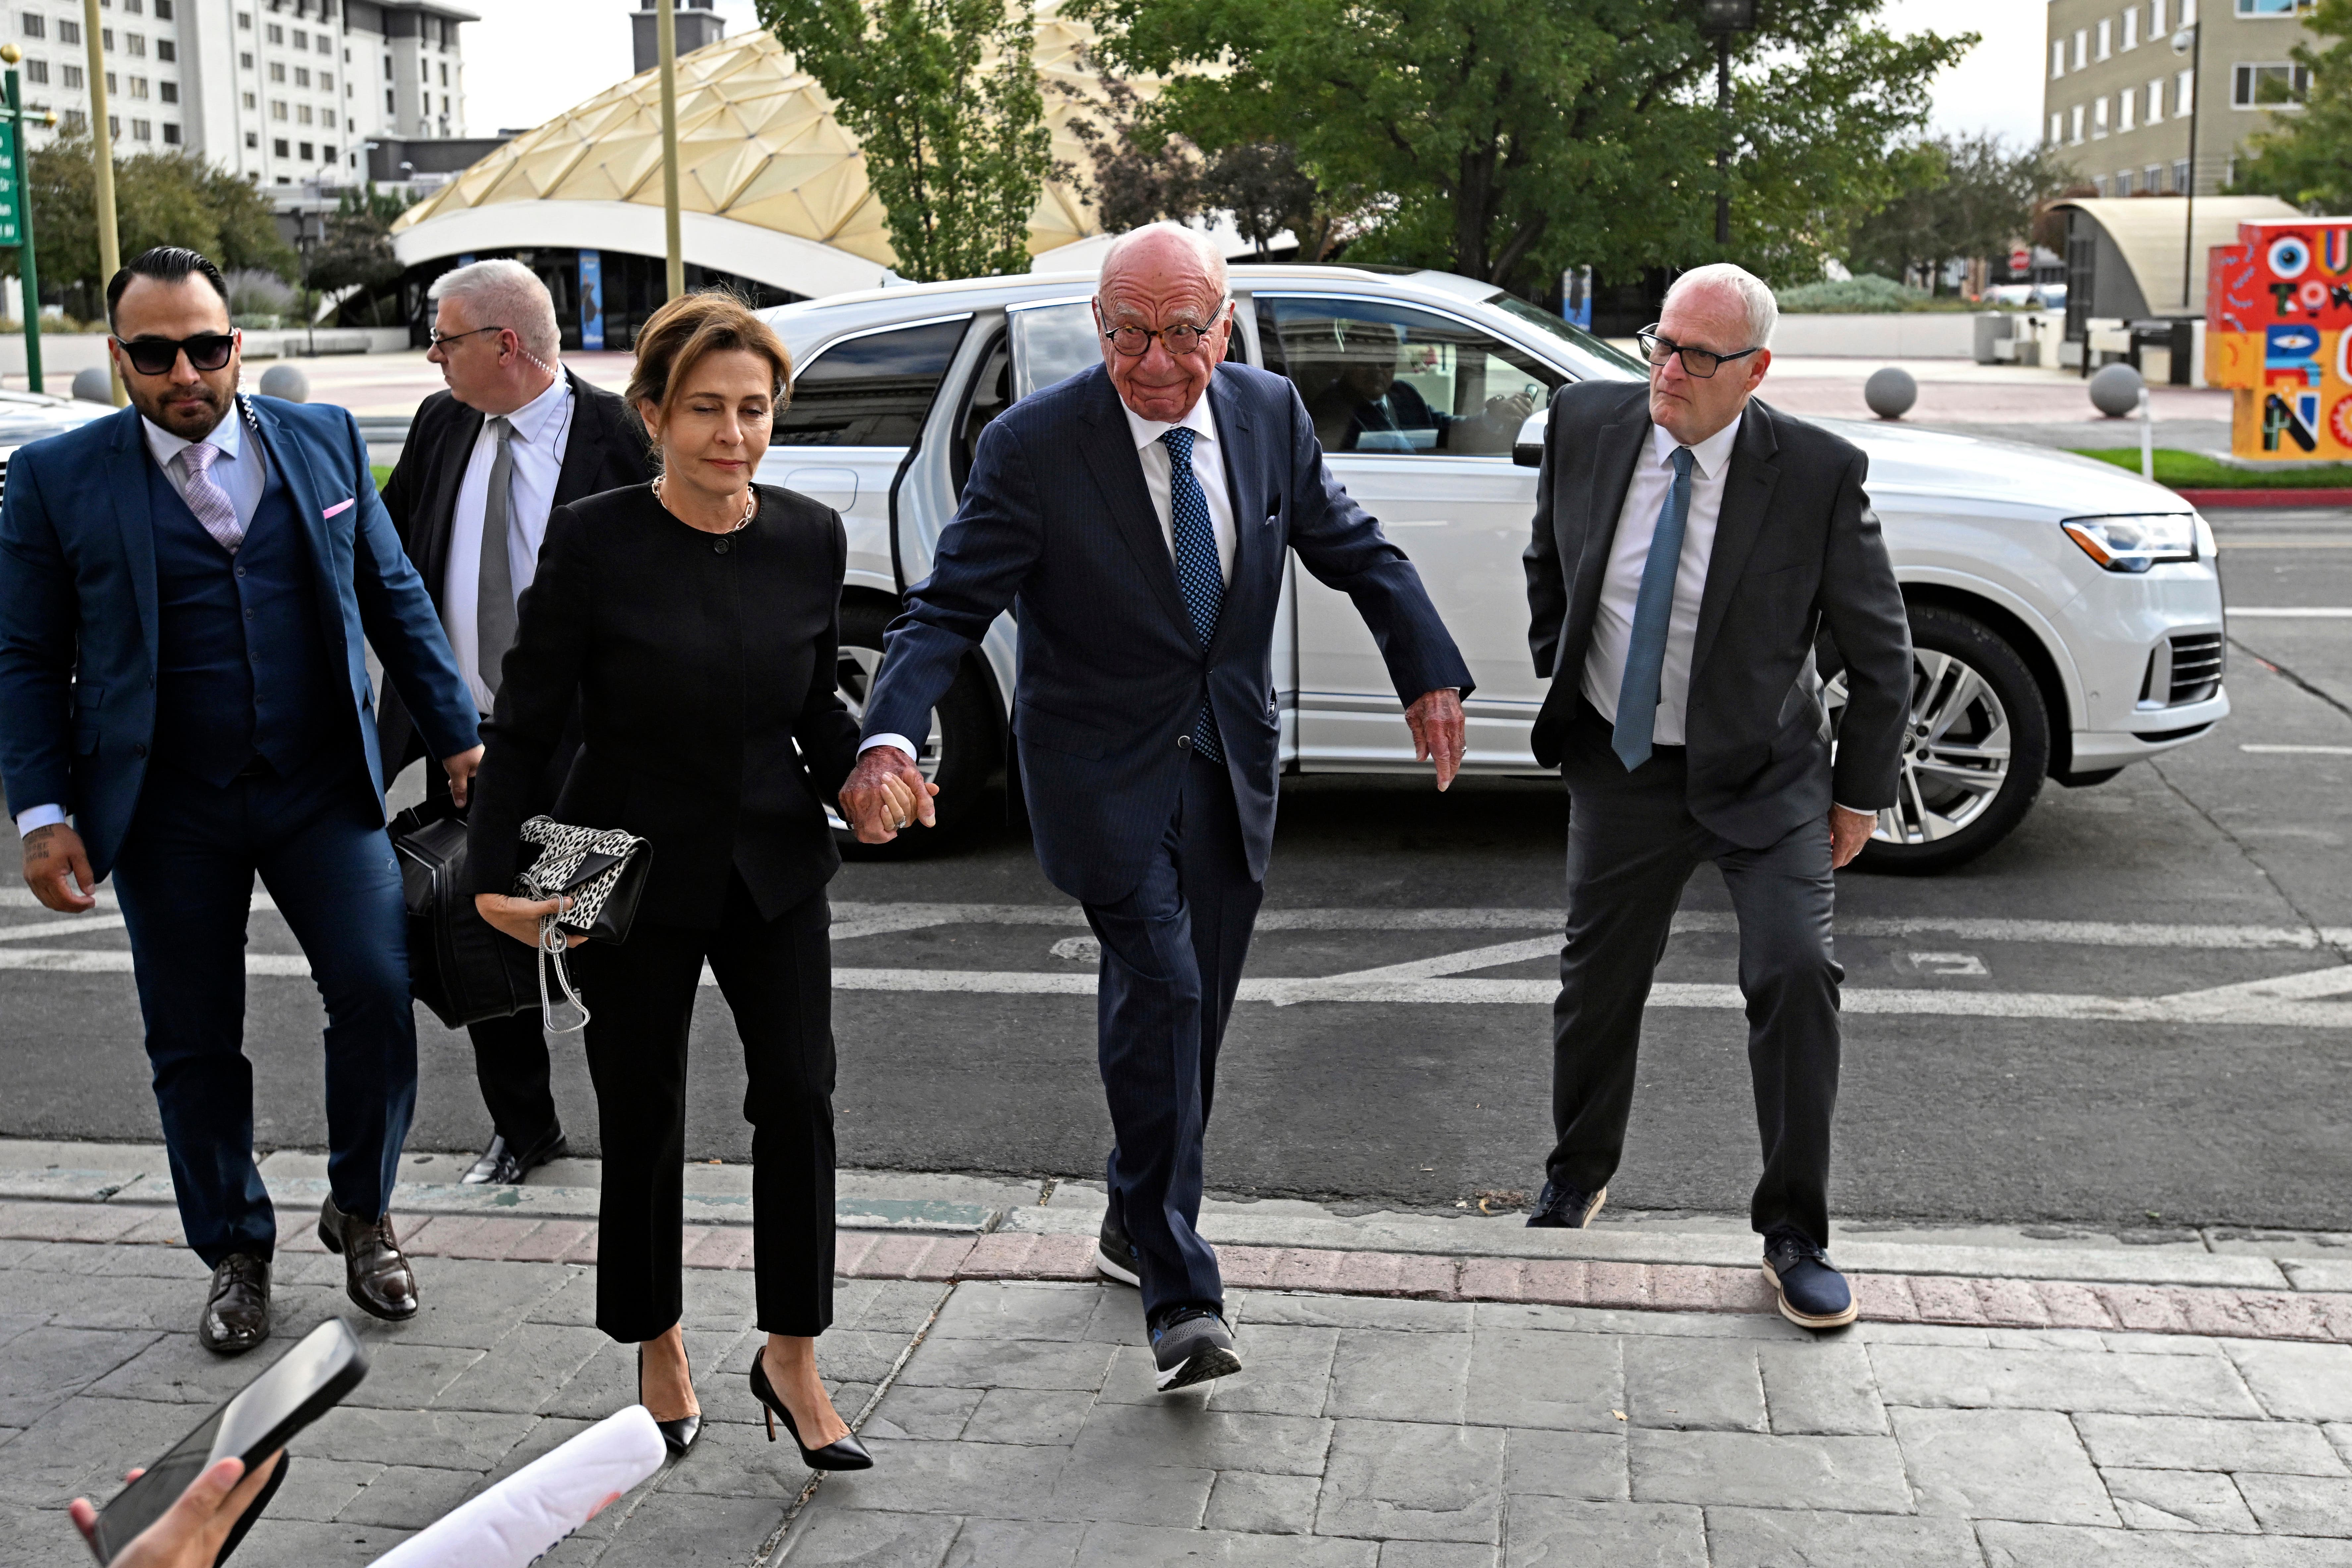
(459, 965)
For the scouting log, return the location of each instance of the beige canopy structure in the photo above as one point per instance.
(771, 185)
(2137, 243)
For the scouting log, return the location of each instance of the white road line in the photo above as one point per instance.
(2297, 751)
(1459, 962)
(2287, 613)
(80, 926)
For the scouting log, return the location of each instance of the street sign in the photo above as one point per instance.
(2020, 260)
(12, 222)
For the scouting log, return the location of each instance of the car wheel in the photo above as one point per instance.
(961, 749)
(1974, 753)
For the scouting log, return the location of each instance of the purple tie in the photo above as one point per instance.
(206, 499)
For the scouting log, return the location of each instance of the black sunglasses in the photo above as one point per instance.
(1699, 362)
(206, 352)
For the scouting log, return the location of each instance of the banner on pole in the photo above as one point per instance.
(2278, 333)
(12, 219)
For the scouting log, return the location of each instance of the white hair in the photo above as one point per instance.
(505, 293)
(1755, 297)
(1200, 244)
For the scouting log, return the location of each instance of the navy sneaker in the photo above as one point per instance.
(1565, 1208)
(1191, 1345)
(1812, 1294)
(1115, 1255)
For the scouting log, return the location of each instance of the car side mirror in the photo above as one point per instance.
(1528, 450)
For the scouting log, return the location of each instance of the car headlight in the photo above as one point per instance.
(2135, 544)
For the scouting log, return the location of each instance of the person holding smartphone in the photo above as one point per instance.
(195, 1529)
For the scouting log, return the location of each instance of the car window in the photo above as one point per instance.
(869, 390)
(1387, 378)
(1595, 359)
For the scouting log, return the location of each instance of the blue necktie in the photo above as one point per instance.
(1654, 613)
(1198, 572)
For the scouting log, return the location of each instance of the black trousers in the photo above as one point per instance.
(509, 1054)
(1172, 953)
(777, 977)
(1632, 846)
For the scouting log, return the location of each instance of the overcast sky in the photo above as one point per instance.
(522, 72)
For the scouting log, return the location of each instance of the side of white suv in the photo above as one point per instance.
(2067, 616)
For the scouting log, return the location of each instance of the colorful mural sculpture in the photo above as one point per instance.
(2278, 333)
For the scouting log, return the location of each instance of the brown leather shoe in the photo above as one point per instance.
(375, 1271)
(236, 1308)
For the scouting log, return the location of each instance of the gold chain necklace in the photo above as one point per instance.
(750, 505)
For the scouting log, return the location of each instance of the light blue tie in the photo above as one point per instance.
(1654, 613)
(1198, 572)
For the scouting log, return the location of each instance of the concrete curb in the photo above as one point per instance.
(1982, 1303)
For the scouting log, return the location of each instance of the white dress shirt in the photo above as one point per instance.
(1208, 467)
(241, 470)
(1621, 586)
(542, 427)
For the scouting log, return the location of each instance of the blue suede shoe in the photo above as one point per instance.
(1812, 1294)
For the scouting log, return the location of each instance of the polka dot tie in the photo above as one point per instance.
(1198, 572)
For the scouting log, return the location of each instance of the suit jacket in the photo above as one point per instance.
(606, 450)
(78, 621)
(703, 667)
(1796, 548)
(1056, 522)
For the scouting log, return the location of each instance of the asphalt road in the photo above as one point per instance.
(1408, 1093)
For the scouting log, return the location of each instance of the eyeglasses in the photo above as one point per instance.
(206, 352)
(1699, 362)
(436, 338)
(1182, 338)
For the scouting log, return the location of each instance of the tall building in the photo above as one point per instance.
(291, 91)
(2122, 79)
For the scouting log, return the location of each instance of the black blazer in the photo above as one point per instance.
(703, 666)
(1796, 547)
(606, 450)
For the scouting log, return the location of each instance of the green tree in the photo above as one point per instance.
(2307, 157)
(1504, 140)
(1963, 197)
(356, 252)
(942, 95)
(160, 198)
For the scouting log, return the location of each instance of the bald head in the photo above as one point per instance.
(1156, 279)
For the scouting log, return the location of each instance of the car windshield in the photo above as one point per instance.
(1588, 355)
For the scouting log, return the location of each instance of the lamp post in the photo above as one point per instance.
(1723, 18)
(110, 244)
(2187, 42)
(20, 196)
(666, 26)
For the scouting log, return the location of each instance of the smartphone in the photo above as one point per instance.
(254, 1423)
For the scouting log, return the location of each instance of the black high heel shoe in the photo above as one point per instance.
(845, 1452)
(676, 1436)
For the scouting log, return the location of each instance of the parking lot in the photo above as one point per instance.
(2135, 1014)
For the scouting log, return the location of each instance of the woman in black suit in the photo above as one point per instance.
(694, 621)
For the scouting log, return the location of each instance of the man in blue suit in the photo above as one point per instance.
(1137, 518)
(186, 589)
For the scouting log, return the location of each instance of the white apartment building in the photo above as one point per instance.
(287, 90)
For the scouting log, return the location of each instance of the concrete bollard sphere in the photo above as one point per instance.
(93, 385)
(286, 381)
(1890, 392)
(2115, 391)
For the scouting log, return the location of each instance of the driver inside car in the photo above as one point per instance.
(1368, 408)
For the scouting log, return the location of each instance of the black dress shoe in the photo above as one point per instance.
(1189, 1345)
(376, 1275)
(1812, 1295)
(843, 1453)
(502, 1165)
(236, 1308)
(1115, 1255)
(1566, 1208)
(676, 1436)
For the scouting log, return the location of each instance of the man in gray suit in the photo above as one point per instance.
(1690, 544)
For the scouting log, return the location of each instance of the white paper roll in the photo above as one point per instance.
(515, 1521)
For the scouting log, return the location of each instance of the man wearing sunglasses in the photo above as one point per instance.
(187, 594)
(1140, 514)
(1690, 545)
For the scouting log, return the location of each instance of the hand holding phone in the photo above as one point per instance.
(192, 1532)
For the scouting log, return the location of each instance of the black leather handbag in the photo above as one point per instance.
(603, 872)
(459, 965)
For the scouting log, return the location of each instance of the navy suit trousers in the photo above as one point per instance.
(184, 878)
(1172, 953)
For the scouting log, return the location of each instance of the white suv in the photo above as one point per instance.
(2067, 615)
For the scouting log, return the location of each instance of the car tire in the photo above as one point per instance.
(964, 748)
(1975, 751)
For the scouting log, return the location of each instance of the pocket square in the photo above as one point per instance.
(341, 506)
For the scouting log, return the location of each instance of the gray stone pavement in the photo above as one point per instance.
(1023, 1431)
